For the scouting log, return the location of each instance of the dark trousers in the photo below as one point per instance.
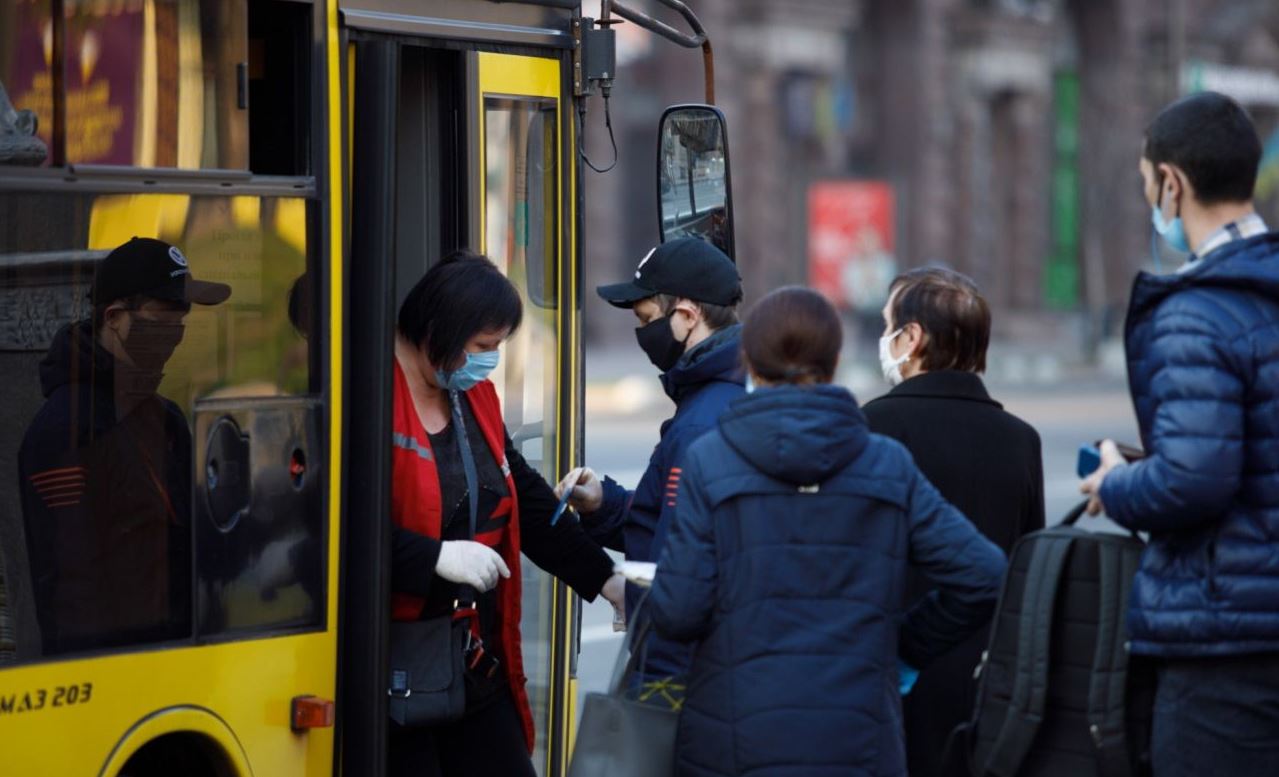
(488, 742)
(1217, 716)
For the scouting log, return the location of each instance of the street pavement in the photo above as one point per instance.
(625, 406)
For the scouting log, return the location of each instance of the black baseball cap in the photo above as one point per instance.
(152, 268)
(687, 267)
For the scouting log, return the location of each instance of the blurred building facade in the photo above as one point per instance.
(1009, 130)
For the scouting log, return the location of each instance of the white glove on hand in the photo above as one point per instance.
(470, 563)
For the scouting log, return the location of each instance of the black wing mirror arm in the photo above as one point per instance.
(699, 38)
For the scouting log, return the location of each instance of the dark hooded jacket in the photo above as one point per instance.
(106, 505)
(787, 567)
(1203, 369)
(702, 384)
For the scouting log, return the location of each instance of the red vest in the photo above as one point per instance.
(415, 505)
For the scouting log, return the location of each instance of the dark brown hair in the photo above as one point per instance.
(716, 316)
(793, 335)
(951, 311)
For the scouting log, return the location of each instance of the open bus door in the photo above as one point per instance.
(454, 148)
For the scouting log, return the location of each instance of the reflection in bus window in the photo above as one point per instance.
(24, 28)
(105, 469)
(148, 83)
(105, 377)
(521, 227)
(19, 144)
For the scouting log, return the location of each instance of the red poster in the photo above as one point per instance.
(851, 242)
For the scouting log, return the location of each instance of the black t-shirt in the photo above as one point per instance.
(455, 525)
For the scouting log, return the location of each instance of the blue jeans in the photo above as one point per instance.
(1217, 716)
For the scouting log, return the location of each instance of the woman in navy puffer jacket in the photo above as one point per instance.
(787, 562)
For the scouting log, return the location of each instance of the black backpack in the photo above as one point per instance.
(1058, 693)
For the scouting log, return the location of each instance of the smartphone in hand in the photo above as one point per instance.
(1090, 457)
(1089, 460)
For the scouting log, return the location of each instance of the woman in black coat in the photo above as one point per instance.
(982, 459)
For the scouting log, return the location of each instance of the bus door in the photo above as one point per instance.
(525, 228)
(453, 148)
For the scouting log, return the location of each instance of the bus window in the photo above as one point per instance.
(155, 84)
(521, 226)
(96, 442)
(279, 87)
(173, 83)
(23, 28)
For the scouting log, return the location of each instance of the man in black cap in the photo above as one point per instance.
(105, 466)
(685, 294)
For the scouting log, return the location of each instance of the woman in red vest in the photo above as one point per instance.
(448, 333)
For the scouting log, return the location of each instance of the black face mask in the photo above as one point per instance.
(151, 344)
(658, 341)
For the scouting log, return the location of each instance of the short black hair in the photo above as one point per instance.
(300, 305)
(463, 295)
(1212, 139)
(951, 311)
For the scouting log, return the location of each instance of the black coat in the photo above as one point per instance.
(987, 463)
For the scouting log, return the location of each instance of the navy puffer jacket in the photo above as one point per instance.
(786, 565)
(1203, 368)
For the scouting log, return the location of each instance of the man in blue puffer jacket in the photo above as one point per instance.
(1203, 367)
(684, 294)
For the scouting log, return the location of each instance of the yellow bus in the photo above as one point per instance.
(316, 157)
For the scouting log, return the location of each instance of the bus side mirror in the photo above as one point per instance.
(694, 187)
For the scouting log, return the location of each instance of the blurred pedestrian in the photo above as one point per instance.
(1203, 366)
(446, 345)
(685, 295)
(984, 460)
(787, 568)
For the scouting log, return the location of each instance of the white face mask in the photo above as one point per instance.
(891, 366)
(750, 384)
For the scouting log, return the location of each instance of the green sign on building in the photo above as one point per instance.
(1061, 281)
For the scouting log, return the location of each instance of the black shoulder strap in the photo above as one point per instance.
(1030, 684)
(1108, 681)
(468, 466)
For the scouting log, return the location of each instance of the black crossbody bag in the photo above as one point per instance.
(428, 657)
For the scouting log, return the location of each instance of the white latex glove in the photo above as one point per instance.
(588, 491)
(470, 563)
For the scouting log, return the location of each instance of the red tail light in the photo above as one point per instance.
(311, 712)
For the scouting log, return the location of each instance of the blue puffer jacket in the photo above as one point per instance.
(1203, 368)
(786, 565)
(702, 384)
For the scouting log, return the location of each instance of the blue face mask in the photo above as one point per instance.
(1173, 232)
(478, 366)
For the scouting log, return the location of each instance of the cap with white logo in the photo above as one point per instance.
(152, 268)
(688, 267)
